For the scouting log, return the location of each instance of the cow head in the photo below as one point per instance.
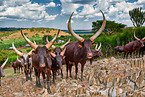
(59, 58)
(87, 43)
(1, 68)
(98, 50)
(41, 51)
(23, 56)
(140, 41)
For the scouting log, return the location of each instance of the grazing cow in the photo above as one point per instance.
(26, 62)
(118, 49)
(58, 55)
(1, 70)
(96, 53)
(142, 49)
(41, 61)
(133, 46)
(80, 50)
(17, 65)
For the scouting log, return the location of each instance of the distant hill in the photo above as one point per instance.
(30, 32)
(11, 29)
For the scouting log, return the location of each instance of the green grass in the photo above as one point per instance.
(9, 72)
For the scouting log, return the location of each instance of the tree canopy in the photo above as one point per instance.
(110, 25)
(137, 17)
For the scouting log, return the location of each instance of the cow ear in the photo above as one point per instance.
(63, 57)
(52, 50)
(34, 52)
(80, 44)
(94, 43)
(48, 51)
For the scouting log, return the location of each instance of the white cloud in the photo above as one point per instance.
(51, 4)
(24, 9)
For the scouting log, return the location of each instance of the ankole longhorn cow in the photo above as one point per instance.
(96, 53)
(80, 50)
(58, 58)
(26, 62)
(41, 61)
(1, 70)
(133, 46)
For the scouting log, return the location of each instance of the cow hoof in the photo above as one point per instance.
(54, 83)
(62, 76)
(49, 91)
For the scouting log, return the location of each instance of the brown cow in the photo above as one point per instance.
(142, 49)
(17, 65)
(58, 56)
(1, 70)
(26, 62)
(133, 46)
(80, 50)
(41, 61)
(96, 53)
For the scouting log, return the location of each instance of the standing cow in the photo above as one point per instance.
(96, 53)
(58, 56)
(26, 62)
(41, 61)
(80, 50)
(133, 46)
(17, 65)
(1, 70)
(142, 50)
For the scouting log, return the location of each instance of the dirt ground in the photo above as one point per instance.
(106, 77)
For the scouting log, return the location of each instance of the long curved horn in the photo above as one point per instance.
(18, 52)
(62, 53)
(135, 36)
(18, 59)
(72, 32)
(65, 44)
(53, 55)
(4, 63)
(143, 38)
(98, 47)
(48, 42)
(34, 42)
(29, 42)
(52, 41)
(100, 30)
(30, 53)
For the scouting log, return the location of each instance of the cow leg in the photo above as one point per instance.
(48, 81)
(82, 69)
(54, 74)
(62, 74)
(44, 79)
(26, 74)
(36, 74)
(0, 81)
(39, 83)
(14, 70)
(70, 69)
(30, 74)
(76, 70)
(67, 65)
(91, 61)
(21, 70)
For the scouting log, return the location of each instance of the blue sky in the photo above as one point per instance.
(55, 13)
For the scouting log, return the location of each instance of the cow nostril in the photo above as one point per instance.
(42, 65)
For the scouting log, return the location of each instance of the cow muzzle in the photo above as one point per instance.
(89, 55)
(42, 65)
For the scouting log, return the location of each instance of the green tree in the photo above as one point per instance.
(137, 17)
(110, 25)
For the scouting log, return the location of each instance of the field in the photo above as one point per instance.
(106, 77)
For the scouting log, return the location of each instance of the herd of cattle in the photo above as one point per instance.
(49, 62)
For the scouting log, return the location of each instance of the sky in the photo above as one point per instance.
(55, 13)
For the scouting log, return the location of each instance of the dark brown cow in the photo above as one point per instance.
(41, 61)
(58, 56)
(118, 49)
(26, 62)
(142, 50)
(1, 70)
(80, 50)
(17, 65)
(133, 46)
(96, 53)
